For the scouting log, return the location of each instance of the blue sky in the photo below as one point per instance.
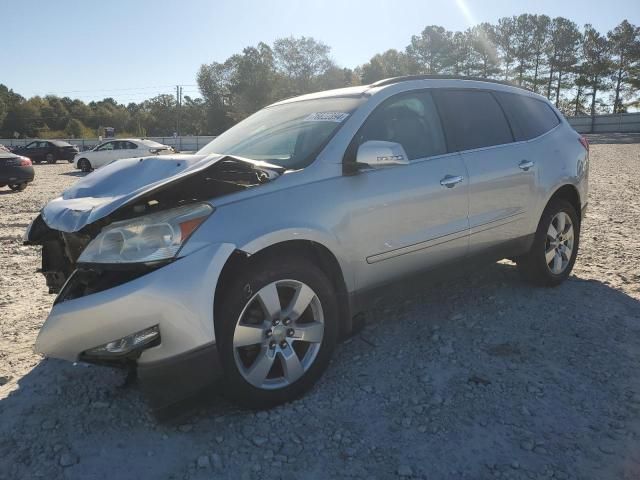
(135, 49)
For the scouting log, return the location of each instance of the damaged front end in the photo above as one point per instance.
(122, 191)
(127, 297)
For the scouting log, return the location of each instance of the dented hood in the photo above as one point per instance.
(119, 183)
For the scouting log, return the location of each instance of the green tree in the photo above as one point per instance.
(462, 57)
(430, 51)
(75, 128)
(194, 118)
(252, 82)
(565, 40)
(300, 61)
(597, 62)
(213, 82)
(484, 45)
(391, 63)
(624, 41)
(540, 44)
(523, 52)
(505, 32)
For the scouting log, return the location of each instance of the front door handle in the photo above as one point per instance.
(451, 181)
(526, 165)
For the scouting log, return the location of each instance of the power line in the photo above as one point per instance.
(114, 89)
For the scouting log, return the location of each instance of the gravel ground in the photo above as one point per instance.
(477, 378)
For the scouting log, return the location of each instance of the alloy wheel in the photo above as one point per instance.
(559, 244)
(278, 334)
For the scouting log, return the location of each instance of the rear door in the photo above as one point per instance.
(403, 218)
(129, 149)
(502, 182)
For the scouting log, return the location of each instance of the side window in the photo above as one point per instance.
(131, 146)
(410, 120)
(472, 119)
(44, 145)
(105, 147)
(529, 117)
(33, 145)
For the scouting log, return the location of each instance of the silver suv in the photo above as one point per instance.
(250, 259)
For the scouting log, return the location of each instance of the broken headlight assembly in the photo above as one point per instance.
(149, 238)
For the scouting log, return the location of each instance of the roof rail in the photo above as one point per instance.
(407, 78)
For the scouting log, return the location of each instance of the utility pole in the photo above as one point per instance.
(178, 107)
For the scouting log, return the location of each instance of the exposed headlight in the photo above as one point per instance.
(125, 345)
(158, 236)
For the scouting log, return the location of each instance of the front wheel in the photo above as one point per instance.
(18, 187)
(277, 327)
(555, 246)
(84, 165)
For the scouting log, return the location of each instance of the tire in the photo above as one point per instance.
(550, 260)
(84, 165)
(18, 187)
(50, 158)
(243, 310)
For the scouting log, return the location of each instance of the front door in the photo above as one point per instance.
(36, 151)
(406, 218)
(103, 154)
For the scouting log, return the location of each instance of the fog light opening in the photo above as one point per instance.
(134, 343)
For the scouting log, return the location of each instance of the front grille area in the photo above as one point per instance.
(86, 280)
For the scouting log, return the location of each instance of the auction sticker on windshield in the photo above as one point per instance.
(327, 117)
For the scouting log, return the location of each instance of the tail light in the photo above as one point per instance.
(25, 162)
(584, 142)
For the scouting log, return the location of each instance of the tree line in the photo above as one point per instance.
(581, 70)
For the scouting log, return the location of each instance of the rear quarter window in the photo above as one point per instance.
(529, 117)
(472, 119)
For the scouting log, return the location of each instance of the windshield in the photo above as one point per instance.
(288, 135)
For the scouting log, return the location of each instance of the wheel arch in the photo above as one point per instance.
(319, 253)
(570, 193)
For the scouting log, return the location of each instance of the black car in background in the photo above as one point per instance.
(49, 151)
(15, 171)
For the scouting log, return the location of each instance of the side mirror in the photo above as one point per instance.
(378, 153)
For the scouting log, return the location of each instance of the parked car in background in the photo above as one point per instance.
(49, 151)
(251, 258)
(4, 149)
(112, 150)
(15, 171)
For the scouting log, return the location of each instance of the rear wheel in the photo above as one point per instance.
(276, 328)
(555, 246)
(84, 165)
(18, 187)
(50, 158)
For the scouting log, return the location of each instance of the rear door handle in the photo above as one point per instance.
(526, 165)
(451, 181)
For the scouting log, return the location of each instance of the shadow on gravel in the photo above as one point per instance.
(613, 138)
(566, 357)
(74, 174)
(45, 164)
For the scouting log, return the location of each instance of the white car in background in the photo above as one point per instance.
(111, 150)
